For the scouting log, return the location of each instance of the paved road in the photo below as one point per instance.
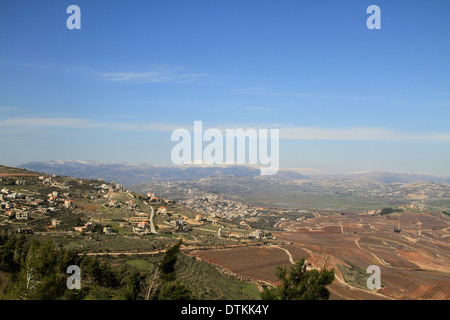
(152, 225)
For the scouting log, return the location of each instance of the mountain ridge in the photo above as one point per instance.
(129, 174)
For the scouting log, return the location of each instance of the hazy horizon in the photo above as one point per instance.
(303, 171)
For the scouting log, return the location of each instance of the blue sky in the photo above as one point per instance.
(344, 97)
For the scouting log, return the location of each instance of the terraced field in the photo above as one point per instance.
(255, 263)
(414, 264)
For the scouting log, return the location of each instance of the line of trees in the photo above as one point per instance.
(34, 270)
(389, 211)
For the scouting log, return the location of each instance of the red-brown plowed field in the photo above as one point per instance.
(415, 263)
(258, 263)
(339, 291)
(296, 252)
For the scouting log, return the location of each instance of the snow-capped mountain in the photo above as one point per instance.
(128, 174)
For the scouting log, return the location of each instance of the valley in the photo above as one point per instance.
(243, 228)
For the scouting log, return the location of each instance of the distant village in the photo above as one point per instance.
(22, 204)
(215, 205)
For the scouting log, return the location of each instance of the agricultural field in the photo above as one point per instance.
(414, 263)
(257, 263)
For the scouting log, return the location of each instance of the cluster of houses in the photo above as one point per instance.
(180, 225)
(49, 181)
(371, 212)
(162, 210)
(130, 204)
(104, 190)
(256, 234)
(55, 197)
(10, 207)
(91, 227)
(114, 204)
(88, 227)
(215, 205)
(209, 207)
(142, 228)
(19, 206)
(151, 197)
(112, 188)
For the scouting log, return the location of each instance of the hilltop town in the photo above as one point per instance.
(50, 204)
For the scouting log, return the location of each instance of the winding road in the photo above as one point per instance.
(152, 225)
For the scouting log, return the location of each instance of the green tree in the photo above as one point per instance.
(173, 290)
(34, 270)
(169, 287)
(300, 284)
(132, 286)
(99, 273)
(11, 250)
(167, 265)
(40, 276)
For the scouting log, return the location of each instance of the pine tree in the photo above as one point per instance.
(40, 276)
(300, 284)
(169, 287)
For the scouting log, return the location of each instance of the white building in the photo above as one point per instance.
(22, 215)
(68, 203)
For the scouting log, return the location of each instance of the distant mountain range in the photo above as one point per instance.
(130, 174)
(388, 177)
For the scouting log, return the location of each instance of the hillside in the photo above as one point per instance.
(106, 221)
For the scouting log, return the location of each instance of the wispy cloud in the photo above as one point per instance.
(131, 75)
(4, 109)
(82, 123)
(51, 122)
(346, 97)
(263, 91)
(262, 108)
(357, 134)
(286, 132)
(157, 74)
(38, 66)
